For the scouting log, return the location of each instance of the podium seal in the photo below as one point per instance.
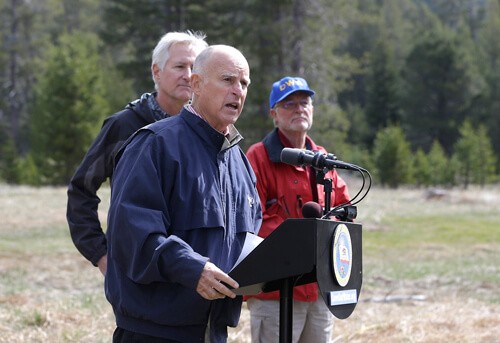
(342, 255)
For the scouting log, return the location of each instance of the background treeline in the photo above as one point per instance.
(409, 89)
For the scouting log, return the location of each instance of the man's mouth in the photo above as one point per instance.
(233, 105)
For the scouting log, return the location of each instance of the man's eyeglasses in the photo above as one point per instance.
(292, 105)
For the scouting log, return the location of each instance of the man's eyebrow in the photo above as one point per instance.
(234, 76)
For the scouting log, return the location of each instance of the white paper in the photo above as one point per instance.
(251, 242)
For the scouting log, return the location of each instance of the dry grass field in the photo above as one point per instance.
(431, 270)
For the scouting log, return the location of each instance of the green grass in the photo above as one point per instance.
(45, 240)
(452, 249)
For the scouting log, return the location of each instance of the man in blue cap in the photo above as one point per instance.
(283, 189)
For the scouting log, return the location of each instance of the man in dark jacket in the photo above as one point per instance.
(183, 201)
(171, 65)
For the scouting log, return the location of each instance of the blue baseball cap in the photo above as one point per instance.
(286, 86)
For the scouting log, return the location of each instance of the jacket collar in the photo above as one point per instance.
(148, 108)
(274, 145)
(208, 133)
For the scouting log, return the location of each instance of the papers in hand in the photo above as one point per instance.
(251, 242)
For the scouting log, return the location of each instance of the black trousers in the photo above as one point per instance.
(124, 336)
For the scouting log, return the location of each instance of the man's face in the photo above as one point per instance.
(222, 90)
(294, 113)
(173, 80)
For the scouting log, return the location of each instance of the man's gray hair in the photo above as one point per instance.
(161, 52)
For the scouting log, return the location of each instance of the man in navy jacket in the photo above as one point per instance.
(183, 200)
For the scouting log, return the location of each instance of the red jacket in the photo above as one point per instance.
(283, 189)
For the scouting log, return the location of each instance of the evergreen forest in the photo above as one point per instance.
(408, 89)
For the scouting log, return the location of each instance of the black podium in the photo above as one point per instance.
(302, 251)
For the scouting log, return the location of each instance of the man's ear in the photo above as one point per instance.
(272, 113)
(195, 83)
(155, 70)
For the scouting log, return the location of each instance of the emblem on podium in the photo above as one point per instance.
(342, 255)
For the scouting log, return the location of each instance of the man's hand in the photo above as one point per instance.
(103, 264)
(210, 286)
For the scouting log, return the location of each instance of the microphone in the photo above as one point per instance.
(344, 213)
(299, 157)
(312, 209)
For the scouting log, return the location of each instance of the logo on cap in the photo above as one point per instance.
(291, 83)
(286, 86)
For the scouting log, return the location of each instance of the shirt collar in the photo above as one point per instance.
(190, 108)
(231, 135)
(286, 143)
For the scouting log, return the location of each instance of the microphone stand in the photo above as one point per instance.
(327, 187)
(348, 213)
(286, 289)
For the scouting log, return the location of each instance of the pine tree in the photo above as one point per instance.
(421, 168)
(383, 99)
(69, 108)
(440, 172)
(475, 155)
(488, 53)
(392, 157)
(436, 89)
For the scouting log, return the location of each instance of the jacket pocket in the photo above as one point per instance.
(277, 207)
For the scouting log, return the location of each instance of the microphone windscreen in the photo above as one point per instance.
(290, 156)
(312, 209)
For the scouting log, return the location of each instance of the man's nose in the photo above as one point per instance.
(239, 89)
